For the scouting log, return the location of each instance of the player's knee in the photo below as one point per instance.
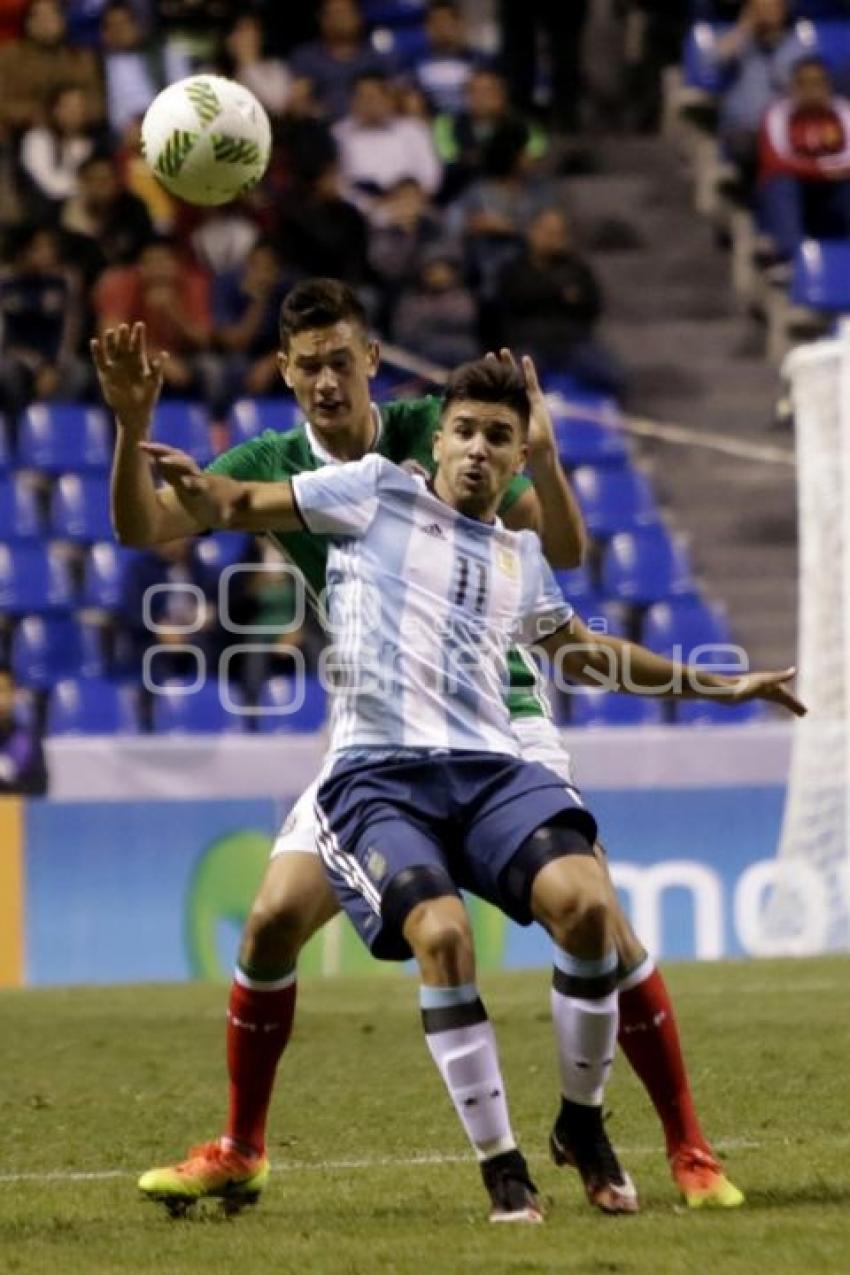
(572, 900)
(274, 932)
(441, 938)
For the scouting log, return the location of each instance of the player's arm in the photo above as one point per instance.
(131, 380)
(613, 663)
(550, 508)
(222, 503)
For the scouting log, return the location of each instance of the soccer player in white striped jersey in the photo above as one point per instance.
(425, 791)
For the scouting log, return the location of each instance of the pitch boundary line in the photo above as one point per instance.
(342, 1166)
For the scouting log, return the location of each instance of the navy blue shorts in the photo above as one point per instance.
(467, 813)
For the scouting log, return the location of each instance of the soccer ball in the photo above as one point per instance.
(207, 139)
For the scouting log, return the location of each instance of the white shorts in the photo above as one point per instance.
(539, 740)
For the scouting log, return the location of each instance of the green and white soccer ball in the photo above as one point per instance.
(207, 139)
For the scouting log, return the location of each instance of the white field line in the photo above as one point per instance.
(384, 1162)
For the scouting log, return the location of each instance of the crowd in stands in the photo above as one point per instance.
(783, 118)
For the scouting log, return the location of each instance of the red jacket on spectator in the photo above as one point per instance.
(812, 143)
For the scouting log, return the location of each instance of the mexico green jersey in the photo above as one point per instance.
(405, 433)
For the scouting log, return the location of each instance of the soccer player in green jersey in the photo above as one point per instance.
(327, 360)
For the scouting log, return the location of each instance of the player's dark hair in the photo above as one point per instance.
(319, 303)
(489, 381)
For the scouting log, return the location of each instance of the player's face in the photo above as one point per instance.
(328, 370)
(480, 447)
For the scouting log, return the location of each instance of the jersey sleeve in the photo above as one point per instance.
(516, 488)
(339, 500)
(252, 461)
(547, 610)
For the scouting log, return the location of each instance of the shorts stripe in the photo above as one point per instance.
(345, 865)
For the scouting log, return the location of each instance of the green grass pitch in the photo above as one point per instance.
(372, 1172)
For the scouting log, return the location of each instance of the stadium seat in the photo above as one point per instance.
(46, 649)
(92, 706)
(404, 44)
(605, 617)
(177, 709)
(251, 416)
(614, 499)
(20, 515)
(279, 693)
(700, 68)
(64, 438)
(34, 577)
(577, 586)
(79, 509)
(591, 707)
(223, 549)
(706, 712)
(103, 580)
(829, 40)
(687, 624)
(394, 13)
(588, 433)
(185, 425)
(642, 567)
(821, 275)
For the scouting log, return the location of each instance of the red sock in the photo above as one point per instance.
(649, 1038)
(259, 1023)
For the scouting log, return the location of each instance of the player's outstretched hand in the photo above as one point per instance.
(541, 433)
(772, 687)
(130, 377)
(211, 499)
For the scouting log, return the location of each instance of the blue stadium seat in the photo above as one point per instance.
(688, 623)
(614, 499)
(588, 433)
(103, 581)
(642, 567)
(64, 438)
(185, 425)
(279, 693)
(20, 515)
(250, 416)
(591, 707)
(706, 712)
(79, 509)
(821, 275)
(404, 44)
(46, 649)
(830, 40)
(92, 706)
(179, 710)
(394, 13)
(34, 577)
(605, 617)
(577, 586)
(223, 549)
(700, 70)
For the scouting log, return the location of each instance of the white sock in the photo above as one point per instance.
(585, 1024)
(463, 1045)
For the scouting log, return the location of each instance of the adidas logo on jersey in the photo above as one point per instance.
(434, 529)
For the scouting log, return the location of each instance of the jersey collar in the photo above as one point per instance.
(327, 458)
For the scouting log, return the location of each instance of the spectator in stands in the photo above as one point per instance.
(12, 19)
(758, 54)
(139, 180)
(245, 61)
(34, 67)
(132, 70)
(804, 162)
(23, 768)
(223, 236)
(403, 227)
(551, 303)
(561, 23)
(437, 316)
(191, 31)
(51, 153)
(338, 58)
(172, 298)
(322, 233)
(106, 225)
(246, 305)
(40, 319)
(461, 140)
(170, 610)
(378, 147)
(443, 69)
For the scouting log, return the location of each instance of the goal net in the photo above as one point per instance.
(808, 910)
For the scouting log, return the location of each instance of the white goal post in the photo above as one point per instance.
(808, 910)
